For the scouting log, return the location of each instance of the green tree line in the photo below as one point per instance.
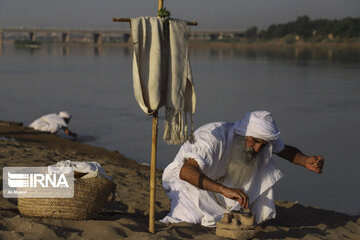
(306, 28)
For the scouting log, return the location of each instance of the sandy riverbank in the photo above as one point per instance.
(21, 146)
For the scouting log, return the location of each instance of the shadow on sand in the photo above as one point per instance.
(298, 221)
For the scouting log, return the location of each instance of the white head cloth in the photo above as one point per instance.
(258, 124)
(64, 114)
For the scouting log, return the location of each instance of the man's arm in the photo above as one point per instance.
(294, 155)
(68, 132)
(191, 173)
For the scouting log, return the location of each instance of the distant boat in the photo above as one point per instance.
(27, 44)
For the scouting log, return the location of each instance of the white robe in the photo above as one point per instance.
(49, 123)
(210, 150)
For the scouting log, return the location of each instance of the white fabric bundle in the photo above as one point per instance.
(92, 169)
(162, 74)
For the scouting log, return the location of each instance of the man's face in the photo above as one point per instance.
(255, 143)
(67, 120)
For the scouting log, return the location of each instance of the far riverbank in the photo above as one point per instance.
(277, 43)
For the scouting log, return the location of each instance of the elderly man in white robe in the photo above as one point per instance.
(229, 167)
(53, 123)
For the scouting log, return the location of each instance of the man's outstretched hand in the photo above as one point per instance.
(294, 155)
(314, 163)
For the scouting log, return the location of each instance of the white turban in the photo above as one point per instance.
(261, 124)
(258, 124)
(64, 114)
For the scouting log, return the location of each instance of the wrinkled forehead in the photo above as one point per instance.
(258, 140)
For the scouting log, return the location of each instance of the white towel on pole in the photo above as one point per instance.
(162, 74)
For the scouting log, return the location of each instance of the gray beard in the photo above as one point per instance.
(242, 163)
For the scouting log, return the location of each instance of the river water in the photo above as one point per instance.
(313, 93)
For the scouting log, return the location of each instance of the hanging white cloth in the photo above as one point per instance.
(162, 74)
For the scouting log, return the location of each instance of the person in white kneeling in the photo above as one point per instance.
(53, 123)
(228, 167)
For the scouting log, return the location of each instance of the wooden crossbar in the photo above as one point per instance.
(128, 20)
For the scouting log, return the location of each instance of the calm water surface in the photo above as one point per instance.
(314, 95)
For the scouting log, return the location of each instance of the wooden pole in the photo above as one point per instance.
(153, 173)
(153, 162)
(161, 4)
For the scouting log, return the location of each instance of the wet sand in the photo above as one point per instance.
(20, 146)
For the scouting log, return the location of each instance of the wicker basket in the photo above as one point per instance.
(90, 198)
